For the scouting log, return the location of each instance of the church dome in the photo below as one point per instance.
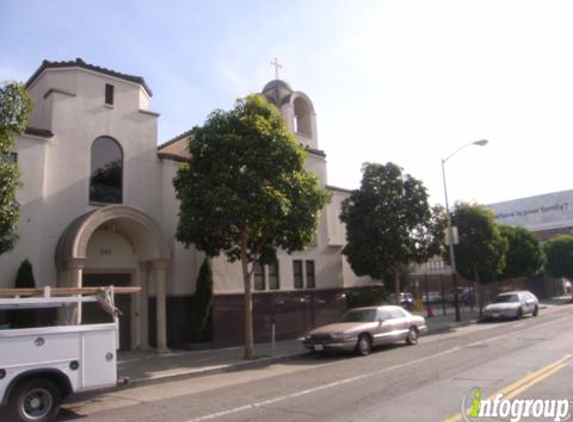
(277, 83)
(276, 91)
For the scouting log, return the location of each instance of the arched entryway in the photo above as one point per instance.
(122, 243)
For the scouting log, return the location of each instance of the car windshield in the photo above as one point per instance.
(368, 315)
(507, 299)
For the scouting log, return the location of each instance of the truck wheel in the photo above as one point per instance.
(36, 400)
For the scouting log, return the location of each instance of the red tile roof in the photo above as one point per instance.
(46, 64)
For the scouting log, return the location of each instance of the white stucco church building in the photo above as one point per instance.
(98, 207)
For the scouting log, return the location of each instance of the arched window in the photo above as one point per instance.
(106, 179)
(302, 117)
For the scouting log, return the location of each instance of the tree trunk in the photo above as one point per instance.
(397, 286)
(249, 338)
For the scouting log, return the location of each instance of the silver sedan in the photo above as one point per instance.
(362, 328)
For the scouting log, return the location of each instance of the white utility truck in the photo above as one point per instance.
(40, 366)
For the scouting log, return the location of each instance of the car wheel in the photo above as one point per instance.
(37, 400)
(364, 345)
(535, 311)
(519, 314)
(412, 337)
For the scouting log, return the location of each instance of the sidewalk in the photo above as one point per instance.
(145, 366)
(148, 366)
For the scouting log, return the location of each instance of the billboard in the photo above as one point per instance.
(543, 212)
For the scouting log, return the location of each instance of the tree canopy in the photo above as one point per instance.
(245, 192)
(15, 108)
(480, 253)
(559, 254)
(524, 256)
(387, 223)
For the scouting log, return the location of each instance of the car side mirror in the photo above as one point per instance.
(380, 321)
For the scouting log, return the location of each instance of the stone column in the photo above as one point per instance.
(75, 274)
(72, 277)
(143, 308)
(161, 311)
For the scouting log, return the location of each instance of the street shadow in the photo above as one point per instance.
(69, 415)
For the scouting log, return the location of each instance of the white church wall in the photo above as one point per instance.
(316, 164)
(108, 250)
(64, 80)
(69, 158)
(57, 193)
(31, 156)
(336, 230)
(228, 279)
(327, 263)
(185, 263)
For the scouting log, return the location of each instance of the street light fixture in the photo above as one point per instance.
(480, 143)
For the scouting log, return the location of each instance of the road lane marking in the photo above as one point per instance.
(534, 381)
(321, 387)
(515, 388)
(487, 340)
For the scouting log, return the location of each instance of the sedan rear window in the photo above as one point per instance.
(359, 316)
(507, 299)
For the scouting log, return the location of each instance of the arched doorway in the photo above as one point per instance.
(119, 244)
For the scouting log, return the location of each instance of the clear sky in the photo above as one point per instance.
(400, 80)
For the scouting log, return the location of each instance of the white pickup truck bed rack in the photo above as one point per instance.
(39, 366)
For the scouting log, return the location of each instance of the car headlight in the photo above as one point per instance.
(307, 337)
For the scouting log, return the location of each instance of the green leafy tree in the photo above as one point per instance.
(437, 228)
(15, 109)
(245, 192)
(524, 255)
(559, 253)
(24, 279)
(203, 298)
(480, 253)
(388, 223)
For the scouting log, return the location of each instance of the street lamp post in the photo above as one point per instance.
(450, 228)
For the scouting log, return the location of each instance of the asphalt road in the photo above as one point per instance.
(530, 358)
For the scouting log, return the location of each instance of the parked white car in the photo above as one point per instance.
(512, 305)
